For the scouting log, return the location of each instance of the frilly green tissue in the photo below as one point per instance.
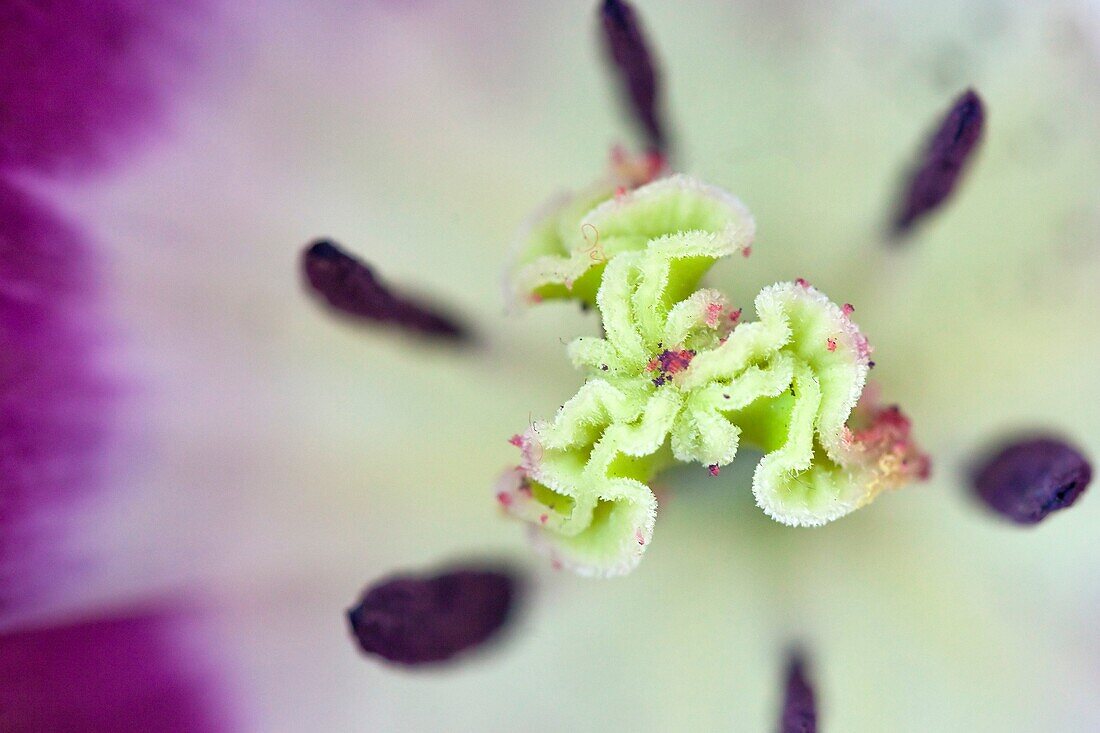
(680, 376)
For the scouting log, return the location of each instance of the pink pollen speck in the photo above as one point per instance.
(830, 344)
(746, 251)
(848, 309)
(714, 312)
(802, 283)
(735, 316)
(639, 537)
(543, 518)
(863, 346)
(516, 440)
(504, 498)
(713, 469)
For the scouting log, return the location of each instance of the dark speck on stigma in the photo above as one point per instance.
(1028, 479)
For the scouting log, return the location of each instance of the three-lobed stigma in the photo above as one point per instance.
(680, 376)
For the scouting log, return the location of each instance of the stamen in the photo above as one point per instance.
(1027, 480)
(418, 620)
(350, 287)
(799, 709)
(944, 160)
(629, 52)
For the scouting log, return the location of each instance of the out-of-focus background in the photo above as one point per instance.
(273, 460)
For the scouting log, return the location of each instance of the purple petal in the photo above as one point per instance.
(113, 674)
(418, 620)
(78, 81)
(53, 398)
(350, 287)
(77, 78)
(1027, 480)
(799, 710)
(629, 52)
(944, 161)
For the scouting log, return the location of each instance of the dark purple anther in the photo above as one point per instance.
(350, 287)
(626, 45)
(1028, 480)
(799, 712)
(418, 620)
(944, 160)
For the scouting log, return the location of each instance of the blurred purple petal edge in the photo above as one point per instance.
(80, 79)
(129, 671)
(54, 401)
(78, 82)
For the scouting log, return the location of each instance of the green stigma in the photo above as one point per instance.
(680, 377)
